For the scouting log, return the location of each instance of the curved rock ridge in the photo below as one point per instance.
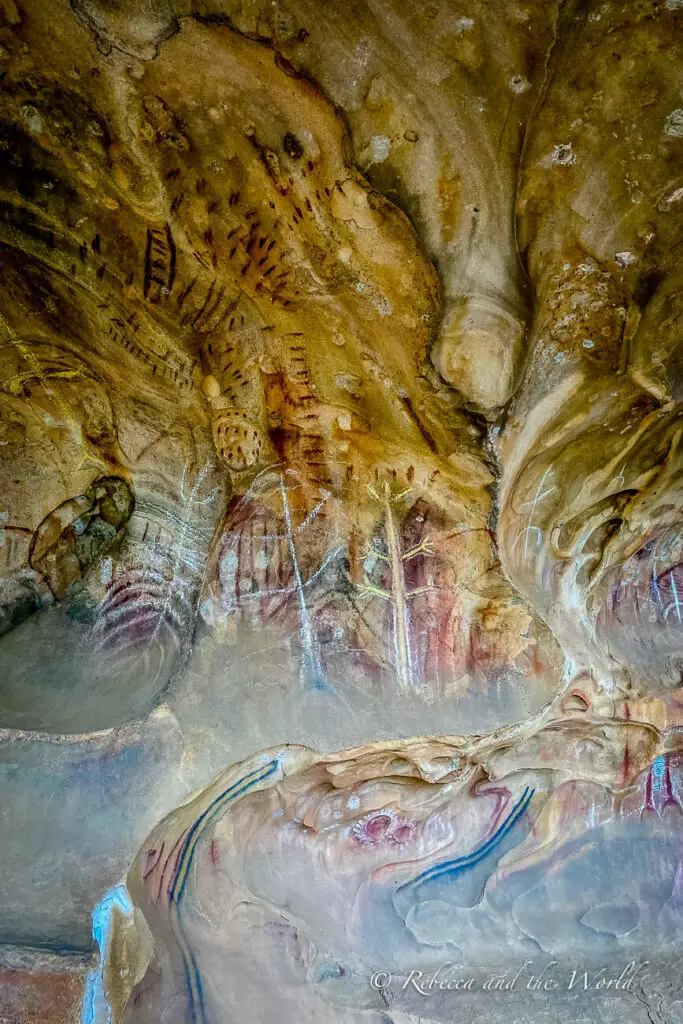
(295, 881)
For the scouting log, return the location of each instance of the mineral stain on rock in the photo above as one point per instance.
(340, 377)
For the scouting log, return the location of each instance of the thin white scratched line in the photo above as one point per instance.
(533, 508)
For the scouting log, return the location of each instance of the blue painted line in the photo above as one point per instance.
(237, 789)
(205, 820)
(453, 867)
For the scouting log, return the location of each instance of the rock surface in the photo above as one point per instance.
(340, 391)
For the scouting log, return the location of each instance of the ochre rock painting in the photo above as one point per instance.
(310, 883)
(340, 380)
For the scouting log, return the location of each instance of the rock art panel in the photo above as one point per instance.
(340, 528)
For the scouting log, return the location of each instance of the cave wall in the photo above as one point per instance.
(340, 382)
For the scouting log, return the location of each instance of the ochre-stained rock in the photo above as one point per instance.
(33, 998)
(306, 878)
(340, 403)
